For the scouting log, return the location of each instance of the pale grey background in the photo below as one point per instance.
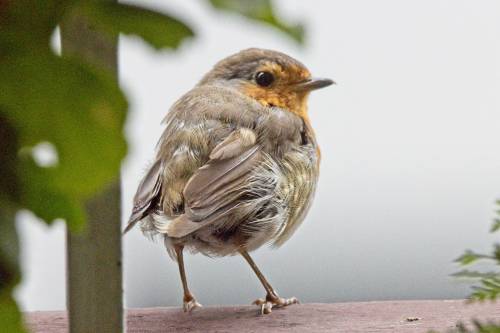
(411, 154)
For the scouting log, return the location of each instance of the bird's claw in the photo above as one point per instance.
(190, 305)
(269, 302)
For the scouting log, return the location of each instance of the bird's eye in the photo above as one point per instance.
(264, 79)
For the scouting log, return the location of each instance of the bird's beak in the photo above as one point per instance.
(313, 84)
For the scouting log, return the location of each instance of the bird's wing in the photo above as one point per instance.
(215, 188)
(147, 195)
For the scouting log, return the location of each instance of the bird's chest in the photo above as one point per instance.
(299, 176)
(296, 178)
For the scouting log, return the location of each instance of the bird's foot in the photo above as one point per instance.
(266, 304)
(190, 303)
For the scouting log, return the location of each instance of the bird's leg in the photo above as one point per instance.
(272, 298)
(189, 301)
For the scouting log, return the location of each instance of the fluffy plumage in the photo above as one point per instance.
(229, 173)
(237, 164)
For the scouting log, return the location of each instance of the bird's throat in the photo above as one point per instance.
(282, 98)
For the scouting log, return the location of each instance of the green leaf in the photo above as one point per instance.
(475, 274)
(78, 109)
(485, 327)
(489, 290)
(159, 30)
(496, 253)
(10, 316)
(469, 257)
(9, 184)
(475, 326)
(262, 11)
(44, 199)
(9, 247)
(27, 25)
(496, 225)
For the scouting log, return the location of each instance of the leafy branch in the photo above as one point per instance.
(477, 327)
(75, 106)
(488, 283)
(262, 11)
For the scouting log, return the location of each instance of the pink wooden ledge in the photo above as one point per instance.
(387, 316)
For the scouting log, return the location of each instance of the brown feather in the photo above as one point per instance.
(146, 196)
(239, 162)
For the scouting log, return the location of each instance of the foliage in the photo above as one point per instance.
(117, 18)
(489, 282)
(75, 106)
(476, 327)
(261, 10)
(488, 288)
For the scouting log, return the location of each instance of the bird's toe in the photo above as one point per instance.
(191, 305)
(288, 301)
(274, 301)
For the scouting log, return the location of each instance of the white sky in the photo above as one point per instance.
(411, 154)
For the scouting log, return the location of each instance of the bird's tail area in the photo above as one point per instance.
(147, 196)
(159, 223)
(131, 223)
(135, 217)
(154, 223)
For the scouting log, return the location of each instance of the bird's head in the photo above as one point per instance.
(271, 78)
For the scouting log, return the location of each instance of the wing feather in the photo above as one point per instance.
(147, 195)
(214, 189)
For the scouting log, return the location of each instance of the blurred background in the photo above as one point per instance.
(410, 139)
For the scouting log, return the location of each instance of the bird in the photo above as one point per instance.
(236, 166)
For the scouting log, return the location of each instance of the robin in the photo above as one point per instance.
(236, 166)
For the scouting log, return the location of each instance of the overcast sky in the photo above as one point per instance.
(411, 154)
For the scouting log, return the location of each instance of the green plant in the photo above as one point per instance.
(488, 282)
(75, 106)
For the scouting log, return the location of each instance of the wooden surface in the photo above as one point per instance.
(94, 270)
(388, 316)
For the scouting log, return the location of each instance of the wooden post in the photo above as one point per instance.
(94, 270)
